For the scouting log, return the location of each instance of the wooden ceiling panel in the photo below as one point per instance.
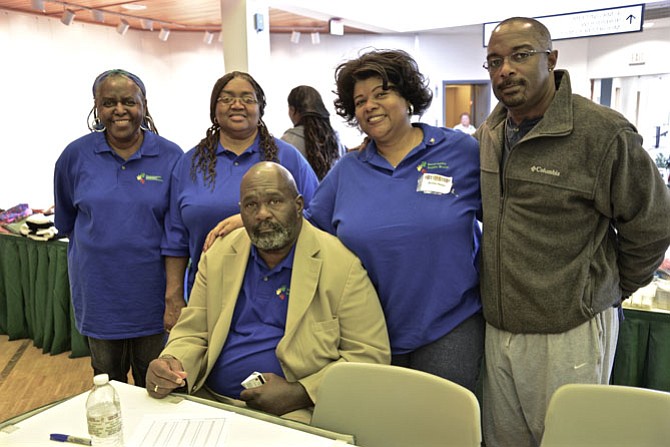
(194, 15)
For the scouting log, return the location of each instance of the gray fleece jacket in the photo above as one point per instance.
(580, 218)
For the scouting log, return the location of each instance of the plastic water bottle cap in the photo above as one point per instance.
(101, 379)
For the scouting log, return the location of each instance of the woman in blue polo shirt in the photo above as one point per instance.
(111, 192)
(406, 203)
(206, 182)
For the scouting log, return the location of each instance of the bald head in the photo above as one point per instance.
(531, 27)
(271, 209)
(267, 170)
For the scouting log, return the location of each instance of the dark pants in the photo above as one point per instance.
(116, 357)
(457, 356)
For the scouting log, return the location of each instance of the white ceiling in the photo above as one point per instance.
(398, 16)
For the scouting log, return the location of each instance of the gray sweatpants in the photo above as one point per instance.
(523, 371)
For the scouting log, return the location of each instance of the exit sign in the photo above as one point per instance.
(599, 22)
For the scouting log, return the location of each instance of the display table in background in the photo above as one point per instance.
(35, 295)
(35, 303)
(643, 352)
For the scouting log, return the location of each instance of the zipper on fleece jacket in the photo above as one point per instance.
(499, 259)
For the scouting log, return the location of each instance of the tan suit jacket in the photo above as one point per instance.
(333, 313)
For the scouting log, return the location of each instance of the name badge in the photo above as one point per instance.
(434, 184)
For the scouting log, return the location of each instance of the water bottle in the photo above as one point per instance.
(103, 413)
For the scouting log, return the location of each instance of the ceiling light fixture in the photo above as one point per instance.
(295, 37)
(147, 24)
(164, 34)
(98, 15)
(134, 7)
(336, 27)
(208, 37)
(38, 5)
(122, 27)
(316, 38)
(68, 17)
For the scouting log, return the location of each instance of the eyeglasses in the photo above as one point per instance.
(494, 63)
(231, 99)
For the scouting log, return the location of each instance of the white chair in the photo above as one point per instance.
(607, 415)
(390, 406)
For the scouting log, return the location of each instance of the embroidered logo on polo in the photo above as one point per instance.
(541, 170)
(426, 166)
(283, 292)
(143, 178)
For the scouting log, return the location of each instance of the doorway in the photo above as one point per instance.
(473, 97)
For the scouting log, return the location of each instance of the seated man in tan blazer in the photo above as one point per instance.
(279, 297)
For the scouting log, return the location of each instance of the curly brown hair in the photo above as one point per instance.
(396, 68)
(204, 159)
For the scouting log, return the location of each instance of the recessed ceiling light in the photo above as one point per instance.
(134, 7)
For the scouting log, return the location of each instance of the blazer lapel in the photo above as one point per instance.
(304, 279)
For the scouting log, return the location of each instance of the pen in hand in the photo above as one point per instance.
(67, 438)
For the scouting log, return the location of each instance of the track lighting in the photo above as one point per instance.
(316, 39)
(38, 5)
(67, 18)
(122, 27)
(208, 37)
(336, 27)
(147, 24)
(295, 37)
(98, 15)
(164, 34)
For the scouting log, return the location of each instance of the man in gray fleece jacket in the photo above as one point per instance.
(575, 218)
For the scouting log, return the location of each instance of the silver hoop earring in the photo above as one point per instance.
(98, 126)
(95, 125)
(410, 110)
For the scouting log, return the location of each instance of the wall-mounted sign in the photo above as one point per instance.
(599, 22)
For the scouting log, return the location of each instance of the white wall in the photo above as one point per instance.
(46, 76)
(48, 68)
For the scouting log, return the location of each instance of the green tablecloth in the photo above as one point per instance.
(35, 304)
(35, 295)
(643, 352)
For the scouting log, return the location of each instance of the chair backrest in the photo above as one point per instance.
(607, 415)
(390, 406)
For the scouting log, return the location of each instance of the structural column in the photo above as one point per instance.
(245, 32)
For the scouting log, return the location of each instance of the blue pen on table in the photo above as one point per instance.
(67, 438)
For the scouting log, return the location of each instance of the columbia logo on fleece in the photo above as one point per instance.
(542, 170)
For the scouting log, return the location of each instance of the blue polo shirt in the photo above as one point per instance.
(113, 211)
(196, 208)
(257, 326)
(420, 249)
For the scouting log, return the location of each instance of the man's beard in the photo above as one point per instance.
(519, 97)
(279, 237)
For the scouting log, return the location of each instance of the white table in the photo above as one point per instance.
(137, 407)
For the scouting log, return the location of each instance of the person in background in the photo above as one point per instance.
(206, 182)
(312, 133)
(112, 191)
(575, 220)
(406, 204)
(279, 297)
(464, 125)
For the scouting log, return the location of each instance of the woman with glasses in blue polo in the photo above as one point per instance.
(205, 186)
